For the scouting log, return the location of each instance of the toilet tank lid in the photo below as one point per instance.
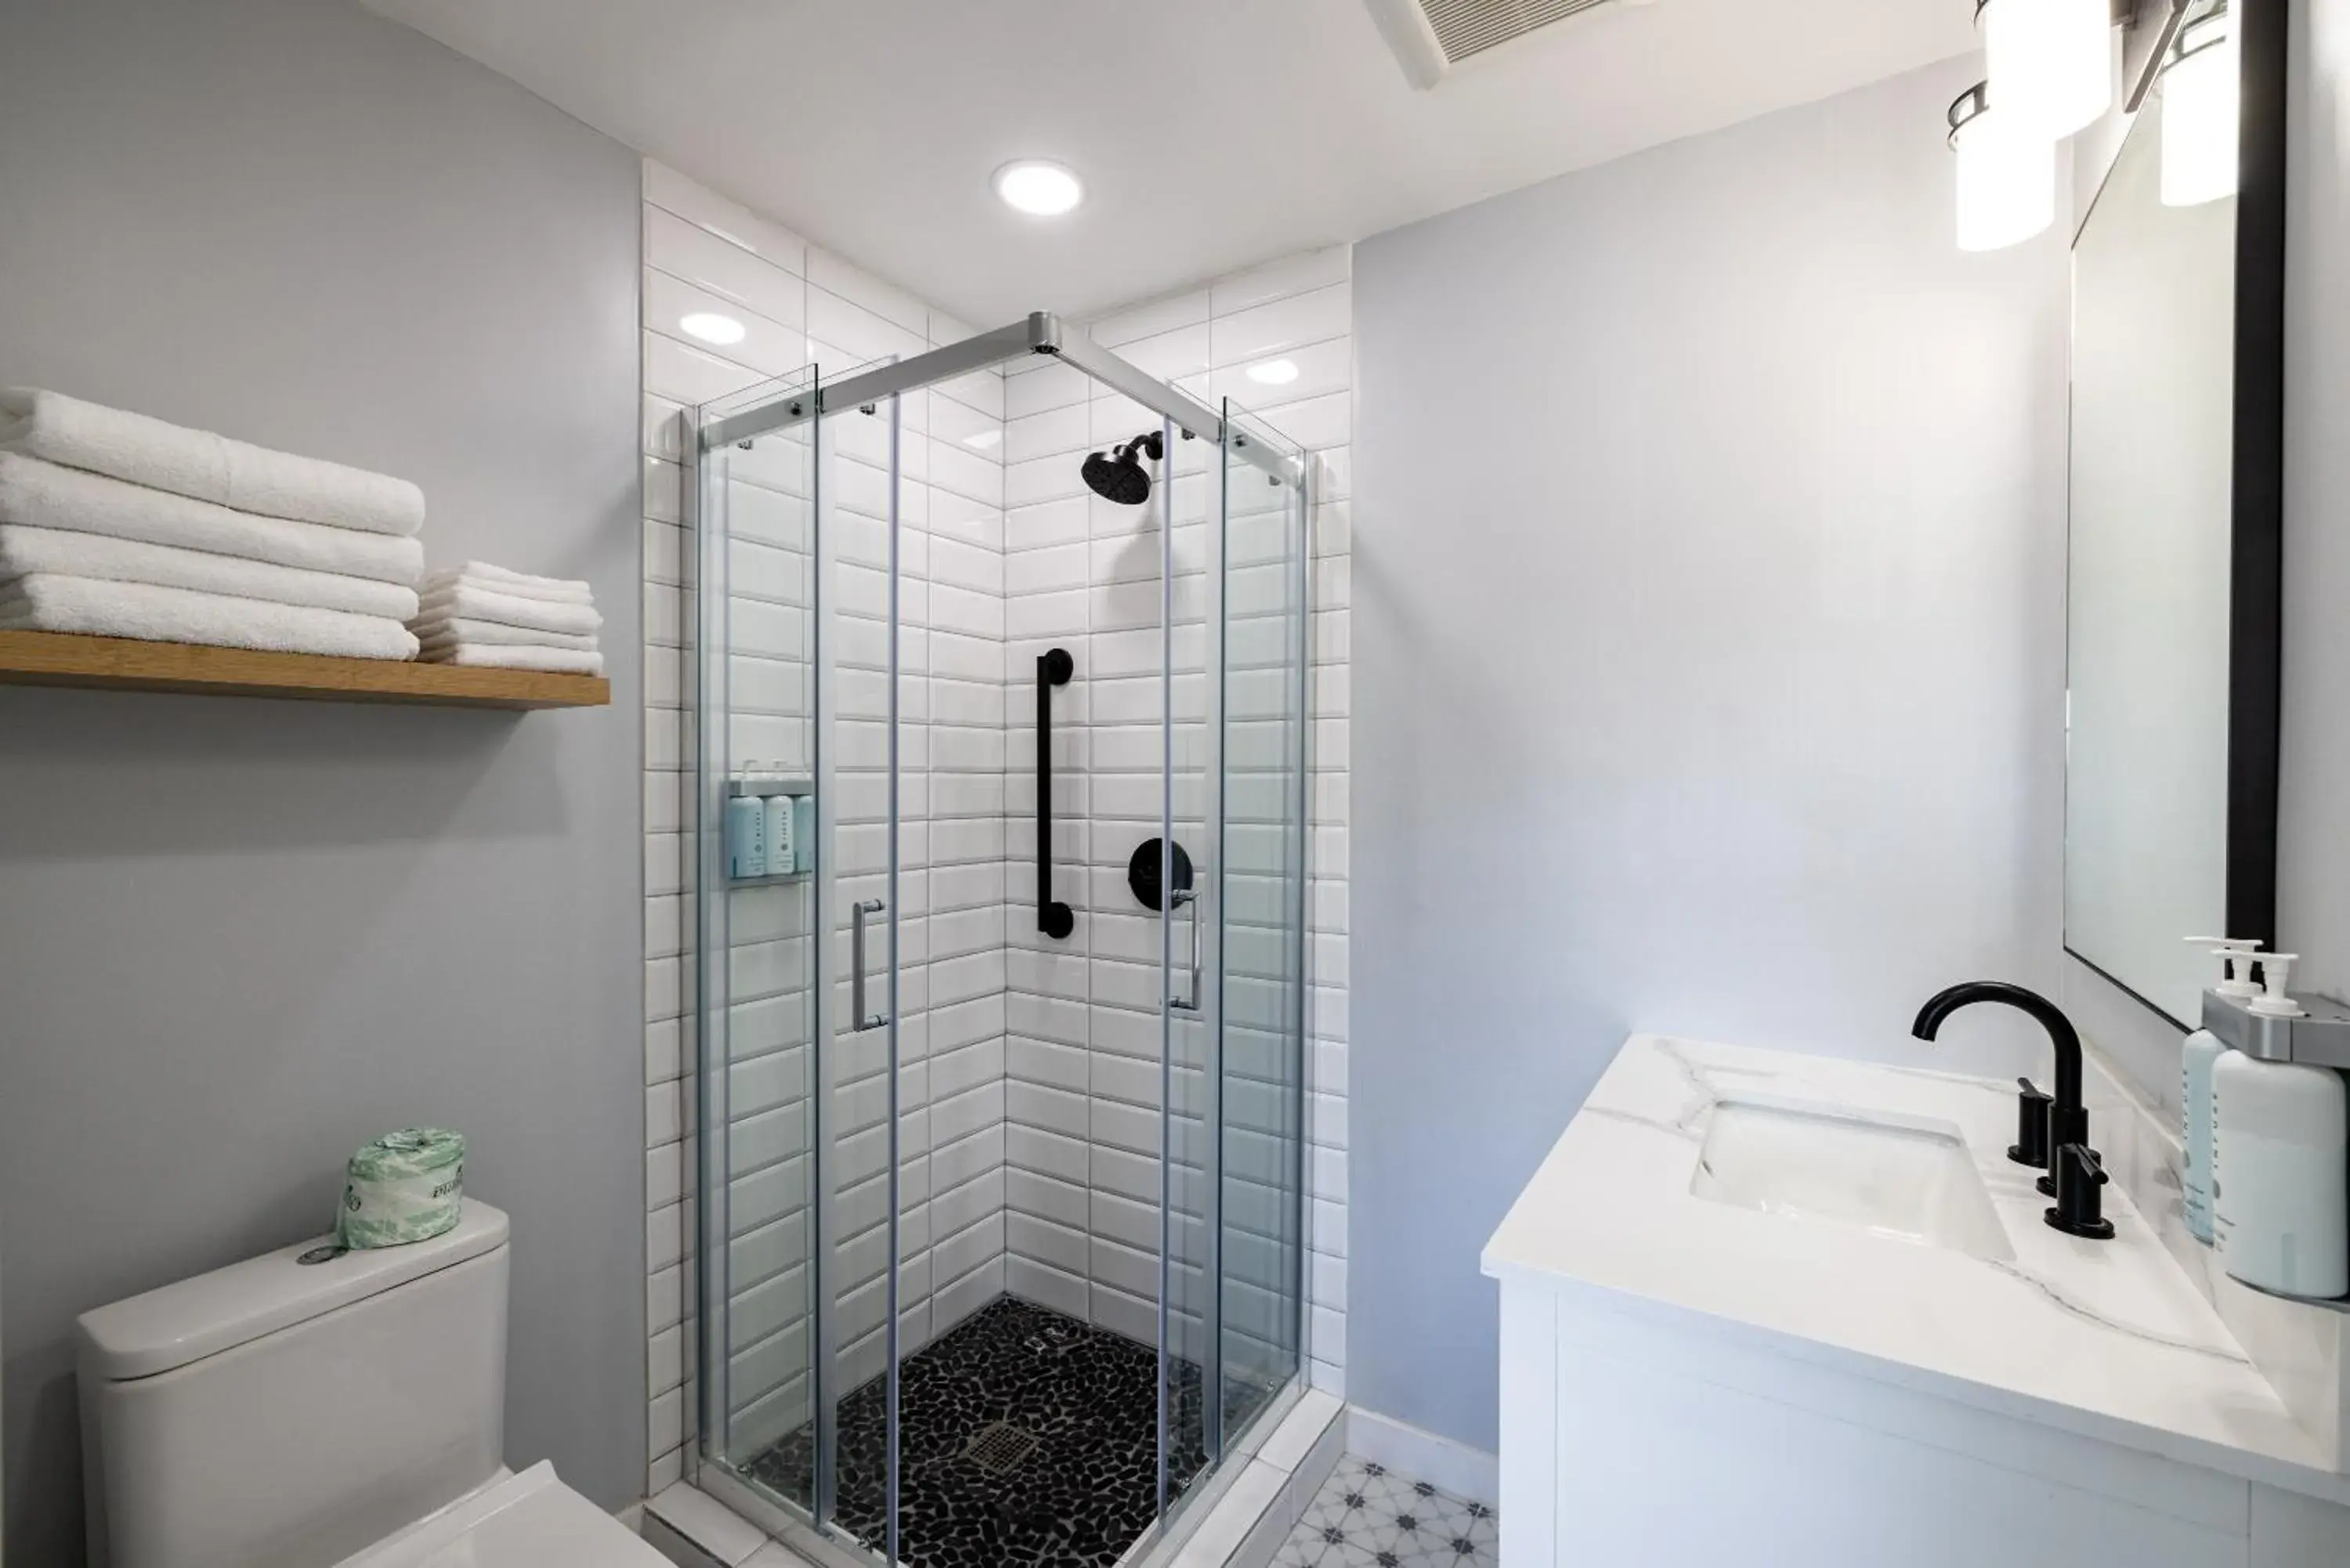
(145, 1334)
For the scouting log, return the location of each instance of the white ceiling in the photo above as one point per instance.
(1210, 133)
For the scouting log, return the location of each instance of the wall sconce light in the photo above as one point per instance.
(2007, 174)
(2052, 61)
(2202, 101)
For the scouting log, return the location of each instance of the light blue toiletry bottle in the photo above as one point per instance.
(779, 812)
(803, 833)
(747, 837)
(2196, 1058)
(2199, 1123)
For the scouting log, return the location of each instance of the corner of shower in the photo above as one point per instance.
(844, 1394)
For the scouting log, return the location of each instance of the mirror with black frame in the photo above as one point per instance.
(2176, 453)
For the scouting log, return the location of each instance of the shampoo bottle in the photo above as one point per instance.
(780, 860)
(2196, 1056)
(2196, 1059)
(747, 837)
(2280, 1164)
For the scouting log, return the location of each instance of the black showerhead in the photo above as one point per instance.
(1116, 475)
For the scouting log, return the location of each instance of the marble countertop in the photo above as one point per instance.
(2109, 1339)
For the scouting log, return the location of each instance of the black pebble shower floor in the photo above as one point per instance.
(1080, 1497)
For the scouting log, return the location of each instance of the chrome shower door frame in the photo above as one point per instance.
(807, 399)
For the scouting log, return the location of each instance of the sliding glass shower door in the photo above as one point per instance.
(798, 659)
(1260, 666)
(762, 831)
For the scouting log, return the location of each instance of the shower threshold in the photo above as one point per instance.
(1028, 1439)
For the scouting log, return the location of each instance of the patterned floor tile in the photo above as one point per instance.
(1367, 1516)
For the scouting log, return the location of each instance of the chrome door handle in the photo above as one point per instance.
(857, 913)
(1188, 898)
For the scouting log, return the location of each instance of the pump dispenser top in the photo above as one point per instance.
(2236, 956)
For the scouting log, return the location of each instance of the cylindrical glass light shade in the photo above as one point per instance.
(2202, 108)
(2007, 175)
(2051, 61)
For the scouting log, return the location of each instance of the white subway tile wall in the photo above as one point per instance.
(1028, 1085)
(1082, 1180)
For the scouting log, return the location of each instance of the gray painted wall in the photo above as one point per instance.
(1709, 609)
(239, 938)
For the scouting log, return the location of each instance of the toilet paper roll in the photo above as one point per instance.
(408, 1186)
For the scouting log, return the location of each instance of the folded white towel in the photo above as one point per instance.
(23, 551)
(497, 579)
(209, 467)
(465, 601)
(508, 656)
(152, 614)
(44, 495)
(450, 628)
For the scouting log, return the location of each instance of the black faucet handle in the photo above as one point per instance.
(2080, 1199)
(2066, 1124)
(2030, 1144)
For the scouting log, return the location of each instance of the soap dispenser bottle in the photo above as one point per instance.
(2196, 1056)
(747, 837)
(2280, 1164)
(781, 861)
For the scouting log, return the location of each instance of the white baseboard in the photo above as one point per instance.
(1422, 1455)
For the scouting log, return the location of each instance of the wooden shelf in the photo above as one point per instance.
(118, 664)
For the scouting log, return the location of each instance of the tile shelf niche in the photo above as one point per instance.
(121, 664)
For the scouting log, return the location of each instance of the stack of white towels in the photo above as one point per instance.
(482, 615)
(115, 524)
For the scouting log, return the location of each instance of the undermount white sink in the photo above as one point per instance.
(1906, 1178)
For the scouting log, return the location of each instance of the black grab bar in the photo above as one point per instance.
(1053, 916)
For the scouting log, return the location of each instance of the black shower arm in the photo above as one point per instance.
(1053, 919)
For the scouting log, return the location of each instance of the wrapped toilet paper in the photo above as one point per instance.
(406, 1186)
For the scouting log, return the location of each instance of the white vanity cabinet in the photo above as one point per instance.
(1770, 1369)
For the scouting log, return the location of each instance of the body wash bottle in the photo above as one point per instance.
(2280, 1212)
(779, 812)
(747, 837)
(2197, 1057)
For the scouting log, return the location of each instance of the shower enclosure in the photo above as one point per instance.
(1000, 953)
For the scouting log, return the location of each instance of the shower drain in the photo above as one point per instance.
(999, 1447)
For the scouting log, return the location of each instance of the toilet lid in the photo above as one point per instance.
(529, 1521)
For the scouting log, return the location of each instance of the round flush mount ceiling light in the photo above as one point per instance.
(2203, 100)
(2052, 61)
(1273, 372)
(1039, 187)
(712, 328)
(2007, 175)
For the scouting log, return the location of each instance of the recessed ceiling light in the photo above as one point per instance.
(1273, 372)
(983, 439)
(712, 328)
(1039, 186)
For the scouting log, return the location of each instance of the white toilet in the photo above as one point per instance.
(317, 1409)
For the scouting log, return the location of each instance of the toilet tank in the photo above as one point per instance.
(288, 1411)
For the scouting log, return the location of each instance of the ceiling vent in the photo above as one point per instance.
(1431, 37)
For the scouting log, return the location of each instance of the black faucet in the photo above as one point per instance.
(2045, 1126)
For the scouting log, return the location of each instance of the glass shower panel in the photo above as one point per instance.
(859, 452)
(756, 646)
(798, 655)
(1260, 779)
(1188, 500)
